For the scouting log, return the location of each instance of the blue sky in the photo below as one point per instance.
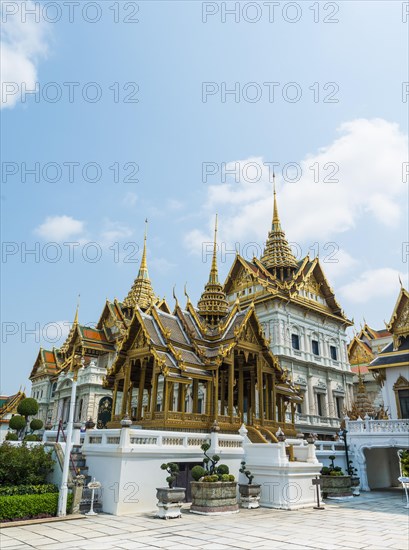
(163, 61)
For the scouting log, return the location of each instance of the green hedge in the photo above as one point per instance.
(28, 506)
(24, 465)
(28, 490)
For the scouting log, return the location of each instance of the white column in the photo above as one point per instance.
(310, 390)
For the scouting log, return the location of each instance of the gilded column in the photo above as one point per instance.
(241, 388)
(141, 390)
(125, 393)
(253, 396)
(195, 391)
(231, 389)
(222, 392)
(260, 389)
(114, 398)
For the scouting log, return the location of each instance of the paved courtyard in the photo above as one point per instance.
(374, 520)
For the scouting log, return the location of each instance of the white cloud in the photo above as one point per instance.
(23, 44)
(114, 232)
(373, 285)
(367, 157)
(130, 199)
(174, 204)
(60, 228)
(337, 263)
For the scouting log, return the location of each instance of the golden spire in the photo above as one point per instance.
(278, 256)
(214, 275)
(141, 293)
(276, 220)
(213, 303)
(76, 310)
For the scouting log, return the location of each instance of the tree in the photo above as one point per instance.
(26, 408)
(36, 424)
(17, 422)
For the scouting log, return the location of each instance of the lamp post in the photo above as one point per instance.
(76, 364)
(342, 434)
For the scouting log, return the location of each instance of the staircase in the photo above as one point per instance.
(78, 466)
(255, 435)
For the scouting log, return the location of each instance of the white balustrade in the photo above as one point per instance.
(378, 426)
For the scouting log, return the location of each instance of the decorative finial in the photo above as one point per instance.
(174, 295)
(186, 294)
(400, 280)
(214, 277)
(276, 219)
(77, 309)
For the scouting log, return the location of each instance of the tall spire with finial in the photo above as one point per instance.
(213, 303)
(278, 256)
(141, 293)
(77, 310)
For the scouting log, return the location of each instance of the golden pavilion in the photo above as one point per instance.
(198, 368)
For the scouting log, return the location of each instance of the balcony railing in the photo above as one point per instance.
(377, 426)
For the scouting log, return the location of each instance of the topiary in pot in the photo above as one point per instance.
(173, 470)
(11, 436)
(31, 437)
(214, 490)
(170, 499)
(335, 484)
(36, 424)
(198, 472)
(249, 492)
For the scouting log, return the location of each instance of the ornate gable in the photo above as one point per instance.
(358, 353)
(399, 323)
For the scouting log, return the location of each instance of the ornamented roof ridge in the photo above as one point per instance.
(277, 253)
(141, 293)
(213, 304)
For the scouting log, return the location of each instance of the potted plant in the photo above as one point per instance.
(249, 492)
(170, 499)
(335, 484)
(214, 490)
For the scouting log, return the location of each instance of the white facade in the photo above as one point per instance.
(390, 388)
(327, 383)
(54, 393)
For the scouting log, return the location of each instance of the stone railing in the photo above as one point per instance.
(155, 439)
(377, 426)
(316, 420)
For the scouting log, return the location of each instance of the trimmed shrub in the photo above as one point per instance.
(11, 436)
(28, 489)
(222, 469)
(17, 422)
(31, 437)
(28, 407)
(198, 472)
(36, 424)
(28, 506)
(24, 465)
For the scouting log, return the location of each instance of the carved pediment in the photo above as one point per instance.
(242, 280)
(140, 340)
(401, 382)
(360, 355)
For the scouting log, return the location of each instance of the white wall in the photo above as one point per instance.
(392, 374)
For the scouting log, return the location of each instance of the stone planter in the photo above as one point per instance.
(250, 495)
(215, 498)
(170, 502)
(336, 487)
(356, 484)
